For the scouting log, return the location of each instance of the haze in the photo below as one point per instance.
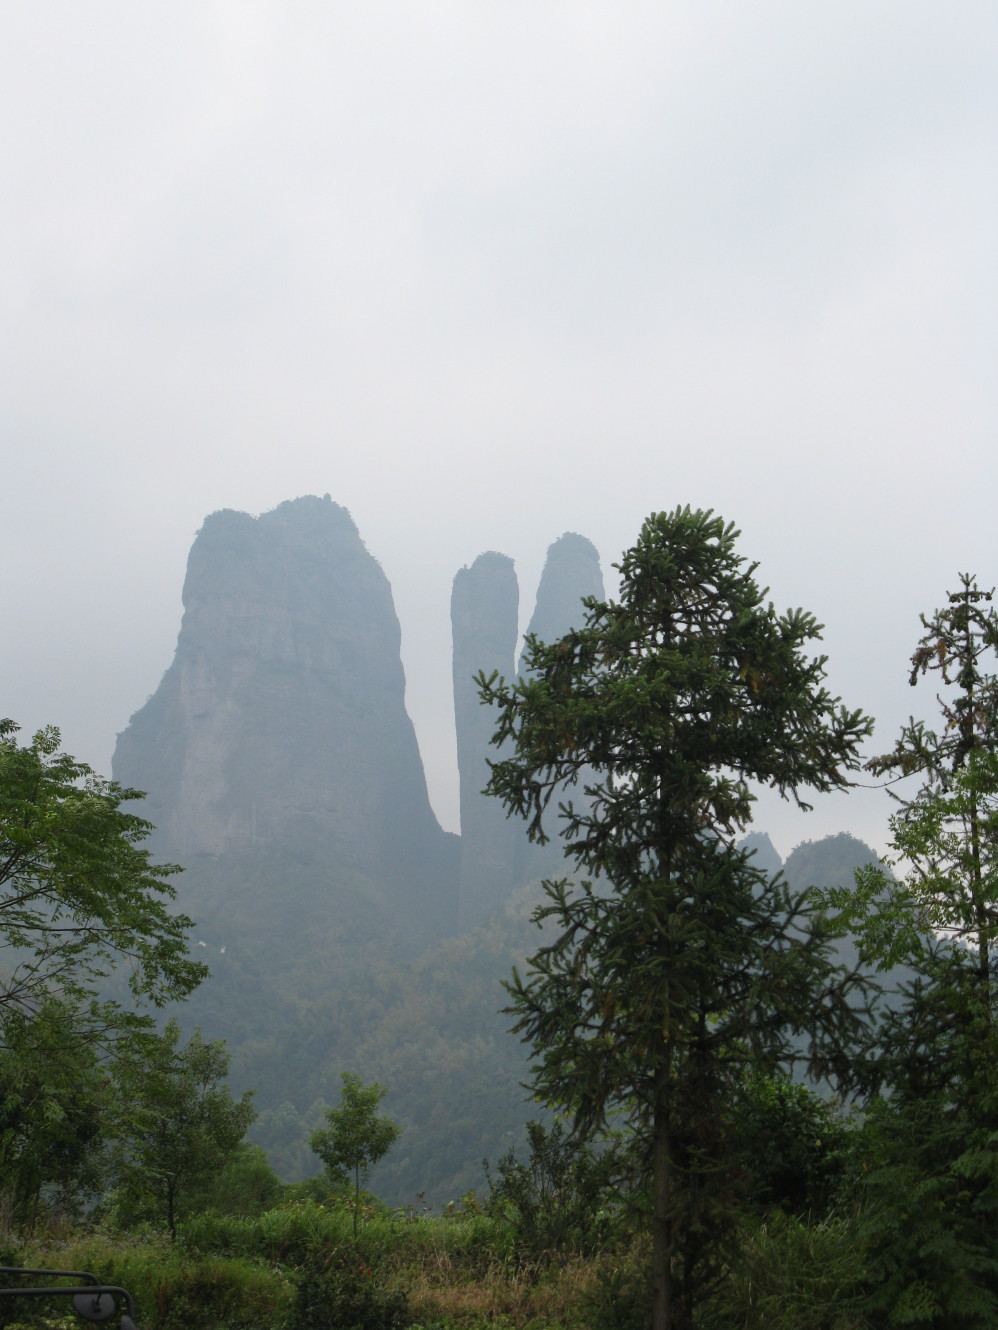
(485, 274)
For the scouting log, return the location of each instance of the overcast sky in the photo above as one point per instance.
(488, 272)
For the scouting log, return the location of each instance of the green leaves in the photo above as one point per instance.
(179, 1123)
(357, 1136)
(77, 894)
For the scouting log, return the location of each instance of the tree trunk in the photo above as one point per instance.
(661, 1313)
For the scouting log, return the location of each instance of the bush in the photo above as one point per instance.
(174, 1289)
(792, 1147)
(558, 1202)
(345, 1297)
(789, 1273)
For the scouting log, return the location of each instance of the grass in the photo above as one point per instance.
(459, 1271)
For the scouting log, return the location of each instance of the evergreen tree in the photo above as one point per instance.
(680, 962)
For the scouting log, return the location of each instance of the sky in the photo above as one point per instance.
(486, 273)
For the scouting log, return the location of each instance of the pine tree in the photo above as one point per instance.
(678, 963)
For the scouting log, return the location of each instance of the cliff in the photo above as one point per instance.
(484, 604)
(281, 721)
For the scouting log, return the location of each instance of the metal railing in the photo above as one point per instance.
(92, 1300)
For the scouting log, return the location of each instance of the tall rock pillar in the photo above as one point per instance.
(571, 572)
(484, 606)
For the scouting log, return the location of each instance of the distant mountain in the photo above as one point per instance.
(280, 728)
(830, 862)
(763, 852)
(344, 929)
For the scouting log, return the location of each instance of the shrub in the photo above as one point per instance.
(345, 1297)
(790, 1273)
(558, 1202)
(792, 1147)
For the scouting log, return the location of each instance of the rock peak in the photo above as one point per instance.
(282, 717)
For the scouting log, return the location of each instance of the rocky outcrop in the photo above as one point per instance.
(571, 573)
(496, 856)
(763, 852)
(484, 605)
(282, 721)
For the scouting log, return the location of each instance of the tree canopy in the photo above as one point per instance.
(180, 1124)
(78, 894)
(680, 963)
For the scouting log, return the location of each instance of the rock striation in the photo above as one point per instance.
(484, 606)
(281, 721)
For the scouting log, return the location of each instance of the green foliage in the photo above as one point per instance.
(332, 1296)
(946, 834)
(54, 1114)
(688, 962)
(619, 1300)
(792, 1147)
(181, 1125)
(788, 1273)
(79, 895)
(561, 1199)
(290, 1233)
(246, 1184)
(356, 1136)
(928, 1220)
(175, 1289)
(930, 1173)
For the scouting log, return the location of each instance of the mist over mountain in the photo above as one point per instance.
(344, 929)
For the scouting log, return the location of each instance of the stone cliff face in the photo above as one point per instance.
(764, 854)
(282, 717)
(484, 604)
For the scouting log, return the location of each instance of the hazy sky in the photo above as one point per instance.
(486, 273)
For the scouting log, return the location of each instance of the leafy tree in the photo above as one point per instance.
(792, 1146)
(77, 893)
(931, 1179)
(356, 1137)
(54, 1114)
(245, 1185)
(684, 962)
(181, 1124)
